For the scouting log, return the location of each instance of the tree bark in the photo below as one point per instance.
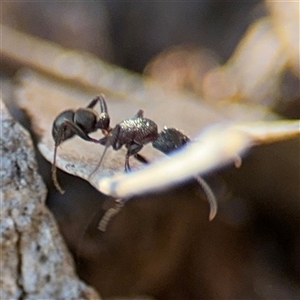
(35, 262)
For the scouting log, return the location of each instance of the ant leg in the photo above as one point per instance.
(104, 120)
(103, 106)
(108, 141)
(138, 157)
(132, 150)
(141, 158)
(127, 166)
(102, 102)
(78, 131)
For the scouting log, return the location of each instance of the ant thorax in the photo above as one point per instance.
(139, 129)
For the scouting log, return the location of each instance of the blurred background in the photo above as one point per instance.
(162, 245)
(130, 34)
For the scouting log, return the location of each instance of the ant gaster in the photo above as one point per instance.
(133, 133)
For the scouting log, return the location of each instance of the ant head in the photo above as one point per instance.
(60, 132)
(170, 139)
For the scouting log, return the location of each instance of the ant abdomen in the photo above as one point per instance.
(170, 139)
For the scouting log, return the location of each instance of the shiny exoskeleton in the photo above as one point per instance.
(79, 122)
(138, 131)
(133, 133)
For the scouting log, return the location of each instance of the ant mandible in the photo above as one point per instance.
(133, 133)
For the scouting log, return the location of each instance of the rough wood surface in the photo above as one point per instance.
(35, 263)
(220, 141)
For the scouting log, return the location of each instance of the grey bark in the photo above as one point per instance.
(35, 263)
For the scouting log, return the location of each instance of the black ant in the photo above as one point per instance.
(79, 122)
(133, 133)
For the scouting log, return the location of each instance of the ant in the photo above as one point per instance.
(78, 122)
(133, 133)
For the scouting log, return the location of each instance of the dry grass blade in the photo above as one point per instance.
(217, 146)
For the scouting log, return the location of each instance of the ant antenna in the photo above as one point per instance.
(210, 197)
(53, 168)
(107, 141)
(101, 159)
(53, 171)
